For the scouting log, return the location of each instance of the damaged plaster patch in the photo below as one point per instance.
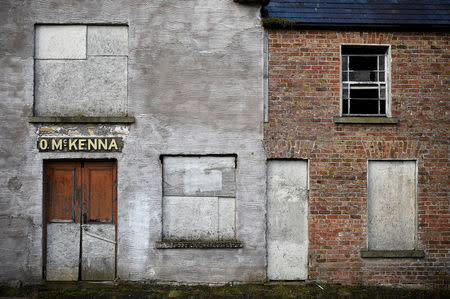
(14, 184)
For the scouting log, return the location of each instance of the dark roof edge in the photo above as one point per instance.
(282, 23)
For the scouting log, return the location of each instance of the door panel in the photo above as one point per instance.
(98, 237)
(63, 251)
(63, 181)
(99, 192)
(98, 252)
(287, 239)
(81, 211)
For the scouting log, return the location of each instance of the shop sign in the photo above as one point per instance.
(80, 144)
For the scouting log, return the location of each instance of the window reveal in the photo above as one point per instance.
(364, 80)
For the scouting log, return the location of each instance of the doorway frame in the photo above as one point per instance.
(44, 164)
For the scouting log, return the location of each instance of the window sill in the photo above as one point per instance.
(82, 119)
(364, 120)
(392, 253)
(198, 244)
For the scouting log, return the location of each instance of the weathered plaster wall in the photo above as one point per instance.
(194, 87)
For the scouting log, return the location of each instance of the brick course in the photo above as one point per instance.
(304, 95)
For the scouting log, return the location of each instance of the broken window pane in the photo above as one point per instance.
(362, 76)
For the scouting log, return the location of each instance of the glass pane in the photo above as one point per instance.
(363, 63)
(364, 107)
(383, 91)
(381, 63)
(382, 78)
(345, 91)
(344, 76)
(364, 93)
(362, 76)
(345, 107)
(344, 63)
(382, 107)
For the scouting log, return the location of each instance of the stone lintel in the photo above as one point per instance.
(82, 119)
(392, 253)
(198, 244)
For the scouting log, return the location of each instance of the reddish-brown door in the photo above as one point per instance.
(81, 214)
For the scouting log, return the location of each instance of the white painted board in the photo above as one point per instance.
(391, 205)
(287, 220)
(63, 251)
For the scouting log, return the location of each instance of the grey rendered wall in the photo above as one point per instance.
(194, 87)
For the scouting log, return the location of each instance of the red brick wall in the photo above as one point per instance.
(304, 95)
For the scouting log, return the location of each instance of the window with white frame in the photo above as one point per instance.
(365, 80)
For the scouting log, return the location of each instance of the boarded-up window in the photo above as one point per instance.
(80, 70)
(392, 205)
(199, 198)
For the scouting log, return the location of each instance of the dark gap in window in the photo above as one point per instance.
(362, 49)
(364, 93)
(362, 63)
(364, 107)
(345, 107)
(382, 107)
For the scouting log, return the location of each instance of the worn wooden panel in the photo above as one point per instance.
(392, 205)
(100, 191)
(62, 182)
(63, 251)
(199, 176)
(287, 239)
(98, 252)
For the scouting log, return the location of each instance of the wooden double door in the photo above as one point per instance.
(81, 217)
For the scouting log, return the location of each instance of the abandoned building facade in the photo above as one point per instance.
(225, 141)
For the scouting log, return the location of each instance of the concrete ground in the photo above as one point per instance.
(262, 290)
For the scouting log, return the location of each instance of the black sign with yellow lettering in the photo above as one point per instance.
(80, 144)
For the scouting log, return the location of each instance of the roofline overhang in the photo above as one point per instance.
(283, 23)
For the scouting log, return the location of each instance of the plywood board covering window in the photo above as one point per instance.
(199, 197)
(392, 204)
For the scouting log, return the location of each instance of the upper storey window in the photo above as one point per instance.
(365, 80)
(81, 70)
